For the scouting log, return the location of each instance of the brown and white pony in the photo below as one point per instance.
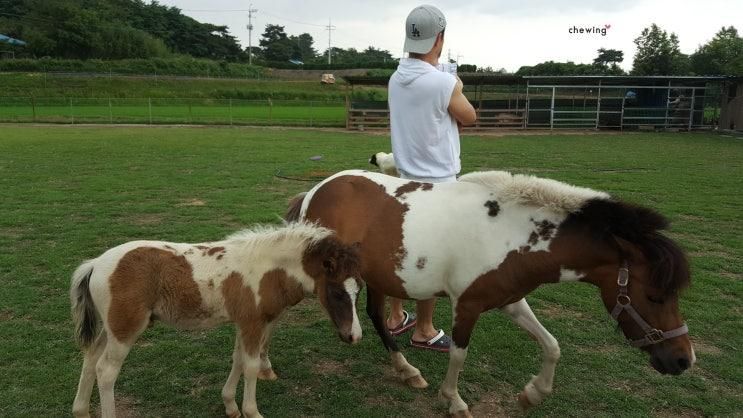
(249, 279)
(488, 240)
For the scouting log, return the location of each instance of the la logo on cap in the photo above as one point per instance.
(415, 32)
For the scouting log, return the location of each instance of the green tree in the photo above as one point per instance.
(108, 29)
(606, 62)
(658, 54)
(722, 55)
(303, 47)
(557, 68)
(276, 45)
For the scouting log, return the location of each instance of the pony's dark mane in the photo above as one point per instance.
(641, 226)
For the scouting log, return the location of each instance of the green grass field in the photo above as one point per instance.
(175, 111)
(68, 193)
(85, 86)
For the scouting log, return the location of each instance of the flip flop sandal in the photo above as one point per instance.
(407, 323)
(440, 342)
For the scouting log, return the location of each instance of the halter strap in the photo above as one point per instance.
(624, 303)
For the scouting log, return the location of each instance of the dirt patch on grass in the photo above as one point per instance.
(6, 315)
(705, 348)
(600, 349)
(490, 405)
(499, 401)
(731, 275)
(192, 202)
(425, 405)
(329, 367)
(378, 400)
(305, 312)
(711, 253)
(553, 310)
(319, 173)
(126, 407)
(676, 413)
(146, 219)
(692, 218)
(12, 232)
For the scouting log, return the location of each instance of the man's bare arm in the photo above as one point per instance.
(461, 108)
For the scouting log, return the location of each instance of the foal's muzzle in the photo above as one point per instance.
(349, 338)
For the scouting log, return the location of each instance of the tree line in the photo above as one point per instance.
(658, 53)
(133, 29)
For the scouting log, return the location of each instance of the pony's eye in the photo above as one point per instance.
(655, 299)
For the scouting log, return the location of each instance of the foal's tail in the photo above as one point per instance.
(295, 207)
(84, 314)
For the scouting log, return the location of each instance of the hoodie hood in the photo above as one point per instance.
(410, 69)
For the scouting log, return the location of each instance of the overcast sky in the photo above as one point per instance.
(496, 33)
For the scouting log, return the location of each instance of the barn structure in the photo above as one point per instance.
(575, 102)
(731, 115)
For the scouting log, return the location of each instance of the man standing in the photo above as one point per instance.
(427, 107)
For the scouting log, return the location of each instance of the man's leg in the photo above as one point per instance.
(424, 329)
(396, 313)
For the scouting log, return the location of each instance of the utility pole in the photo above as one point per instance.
(251, 10)
(448, 55)
(329, 28)
(458, 57)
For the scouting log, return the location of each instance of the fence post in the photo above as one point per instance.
(552, 110)
(110, 112)
(72, 114)
(598, 107)
(270, 110)
(190, 115)
(149, 105)
(33, 107)
(526, 118)
(691, 108)
(230, 112)
(311, 102)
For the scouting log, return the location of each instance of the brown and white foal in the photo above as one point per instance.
(249, 279)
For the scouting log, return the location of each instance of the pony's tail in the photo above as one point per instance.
(84, 314)
(295, 207)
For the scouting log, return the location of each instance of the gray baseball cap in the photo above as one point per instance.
(421, 28)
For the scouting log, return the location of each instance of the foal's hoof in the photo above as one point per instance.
(417, 382)
(461, 414)
(524, 401)
(235, 414)
(267, 374)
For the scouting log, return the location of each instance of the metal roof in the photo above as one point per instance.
(470, 79)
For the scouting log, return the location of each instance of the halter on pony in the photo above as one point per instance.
(652, 335)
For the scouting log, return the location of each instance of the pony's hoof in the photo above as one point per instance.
(461, 414)
(524, 401)
(234, 414)
(267, 374)
(417, 382)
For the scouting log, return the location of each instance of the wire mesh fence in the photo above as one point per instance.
(173, 111)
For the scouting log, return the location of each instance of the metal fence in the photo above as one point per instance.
(173, 111)
(596, 106)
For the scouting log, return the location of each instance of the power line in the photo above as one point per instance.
(329, 28)
(293, 21)
(251, 10)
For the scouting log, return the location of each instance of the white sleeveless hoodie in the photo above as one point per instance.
(425, 138)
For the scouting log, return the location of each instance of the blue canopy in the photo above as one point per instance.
(12, 41)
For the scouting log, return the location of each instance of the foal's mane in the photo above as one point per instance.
(608, 219)
(300, 233)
